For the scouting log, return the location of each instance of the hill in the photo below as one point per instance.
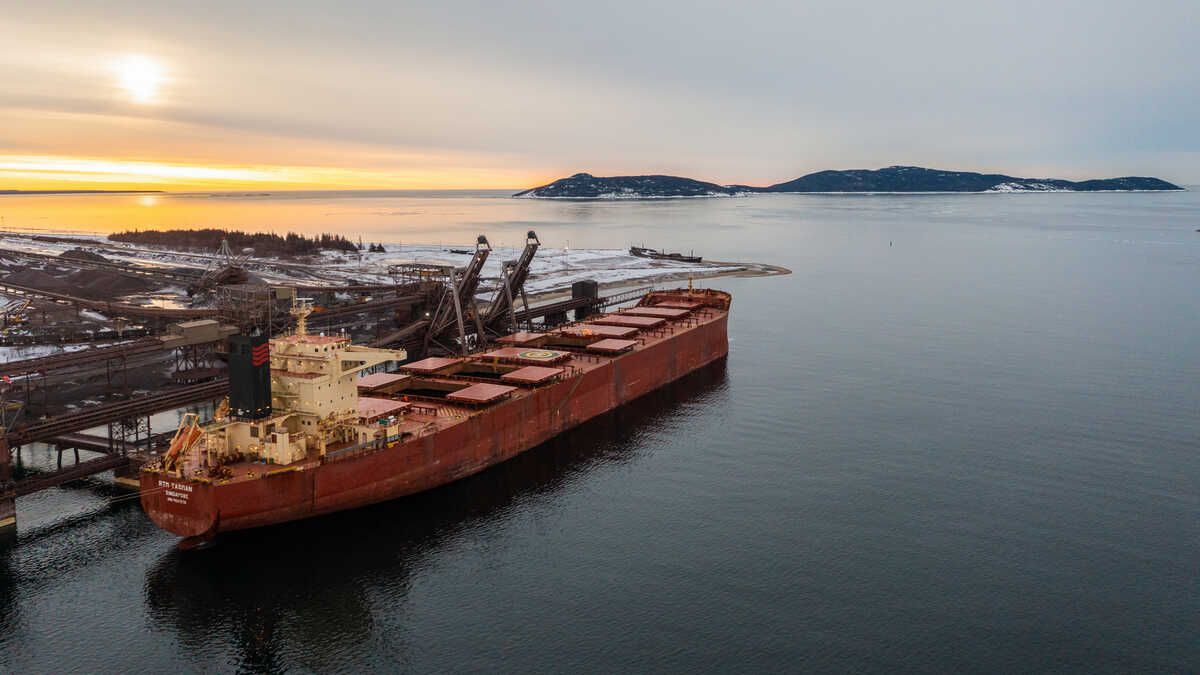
(587, 186)
(902, 179)
(918, 179)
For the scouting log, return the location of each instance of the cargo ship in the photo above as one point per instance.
(307, 431)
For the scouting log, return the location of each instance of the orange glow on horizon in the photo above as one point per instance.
(49, 172)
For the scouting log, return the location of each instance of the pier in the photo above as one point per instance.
(435, 307)
(124, 452)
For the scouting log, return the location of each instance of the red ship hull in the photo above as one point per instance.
(482, 439)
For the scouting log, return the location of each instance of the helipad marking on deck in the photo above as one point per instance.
(538, 354)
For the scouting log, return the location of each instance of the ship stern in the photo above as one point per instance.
(180, 506)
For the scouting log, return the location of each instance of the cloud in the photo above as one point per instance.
(734, 92)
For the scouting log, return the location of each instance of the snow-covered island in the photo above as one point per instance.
(587, 186)
(892, 179)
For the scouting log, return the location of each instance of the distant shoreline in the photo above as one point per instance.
(847, 193)
(17, 193)
(508, 193)
(888, 180)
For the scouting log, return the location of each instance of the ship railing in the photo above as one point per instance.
(624, 296)
(366, 448)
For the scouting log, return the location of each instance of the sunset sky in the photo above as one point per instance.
(224, 95)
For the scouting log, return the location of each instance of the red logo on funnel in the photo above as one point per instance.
(260, 354)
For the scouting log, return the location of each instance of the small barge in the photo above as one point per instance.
(663, 255)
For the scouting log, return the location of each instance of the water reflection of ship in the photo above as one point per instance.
(300, 591)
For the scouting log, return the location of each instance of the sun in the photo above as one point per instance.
(140, 77)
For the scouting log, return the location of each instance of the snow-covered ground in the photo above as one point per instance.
(552, 269)
(22, 352)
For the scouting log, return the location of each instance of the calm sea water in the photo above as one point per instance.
(963, 435)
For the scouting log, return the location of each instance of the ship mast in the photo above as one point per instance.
(301, 308)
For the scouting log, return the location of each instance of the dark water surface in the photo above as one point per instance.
(963, 435)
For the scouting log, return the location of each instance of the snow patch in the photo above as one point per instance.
(22, 352)
(1026, 187)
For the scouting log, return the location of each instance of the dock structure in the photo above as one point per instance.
(107, 307)
(193, 346)
(430, 310)
(128, 444)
